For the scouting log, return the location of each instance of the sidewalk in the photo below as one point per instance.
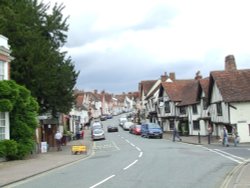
(15, 171)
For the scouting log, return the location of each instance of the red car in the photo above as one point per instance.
(135, 129)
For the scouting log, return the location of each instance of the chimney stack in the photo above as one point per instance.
(164, 77)
(172, 76)
(198, 76)
(230, 64)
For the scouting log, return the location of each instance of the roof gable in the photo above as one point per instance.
(234, 86)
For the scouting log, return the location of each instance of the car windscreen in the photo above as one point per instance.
(153, 126)
(98, 131)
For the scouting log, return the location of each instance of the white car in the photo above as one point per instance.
(122, 120)
(127, 125)
(98, 134)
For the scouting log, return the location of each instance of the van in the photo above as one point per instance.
(151, 130)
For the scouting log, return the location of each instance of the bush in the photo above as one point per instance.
(8, 149)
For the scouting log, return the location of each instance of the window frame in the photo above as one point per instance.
(2, 125)
(2, 70)
(194, 109)
(196, 125)
(166, 106)
(182, 110)
(219, 109)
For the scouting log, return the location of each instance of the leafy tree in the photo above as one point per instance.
(36, 38)
(23, 117)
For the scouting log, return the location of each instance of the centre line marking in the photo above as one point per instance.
(102, 181)
(141, 153)
(130, 165)
(138, 149)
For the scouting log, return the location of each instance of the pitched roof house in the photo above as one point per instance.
(229, 97)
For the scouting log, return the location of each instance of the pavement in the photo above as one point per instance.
(14, 171)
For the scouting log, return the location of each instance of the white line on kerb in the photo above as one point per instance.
(102, 181)
(130, 165)
(141, 153)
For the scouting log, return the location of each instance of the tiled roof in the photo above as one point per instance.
(183, 91)
(147, 85)
(79, 100)
(204, 83)
(234, 86)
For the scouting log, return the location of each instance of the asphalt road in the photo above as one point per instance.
(123, 160)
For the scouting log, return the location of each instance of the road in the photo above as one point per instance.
(124, 160)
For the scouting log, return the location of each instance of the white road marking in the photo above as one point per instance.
(230, 154)
(127, 141)
(115, 145)
(102, 181)
(138, 148)
(130, 165)
(132, 144)
(221, 154)
(141, 153)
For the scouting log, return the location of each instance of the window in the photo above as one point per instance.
(219, 109)
(249, 129)
(167, 107)
(196, 125)
(2, 125)
(194, 108)
(182, 110)
(205, 104)
(171, 124)
(1, 70)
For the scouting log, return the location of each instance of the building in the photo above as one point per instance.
(5, 59)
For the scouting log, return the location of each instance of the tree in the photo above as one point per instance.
(36, 38)
(23, 110)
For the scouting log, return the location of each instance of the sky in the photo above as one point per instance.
(115, 44)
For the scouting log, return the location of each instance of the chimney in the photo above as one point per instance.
(198, 76)
(230, 64)
(95, 91)
(164, 77)
(172, 76)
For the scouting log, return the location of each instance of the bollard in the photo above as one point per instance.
(199, 138)
(209, 138)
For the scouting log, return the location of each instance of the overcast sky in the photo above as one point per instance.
(115, 44)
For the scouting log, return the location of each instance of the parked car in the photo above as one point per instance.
(112, 128)
(127, 125)
(151, 130)
(109, 116)
(103, 117)
(98, 134)
(122, 120)
(96, 125)
(135, 129)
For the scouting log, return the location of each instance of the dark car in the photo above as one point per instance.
(103, 117)
(151, 130)
(112, 128)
